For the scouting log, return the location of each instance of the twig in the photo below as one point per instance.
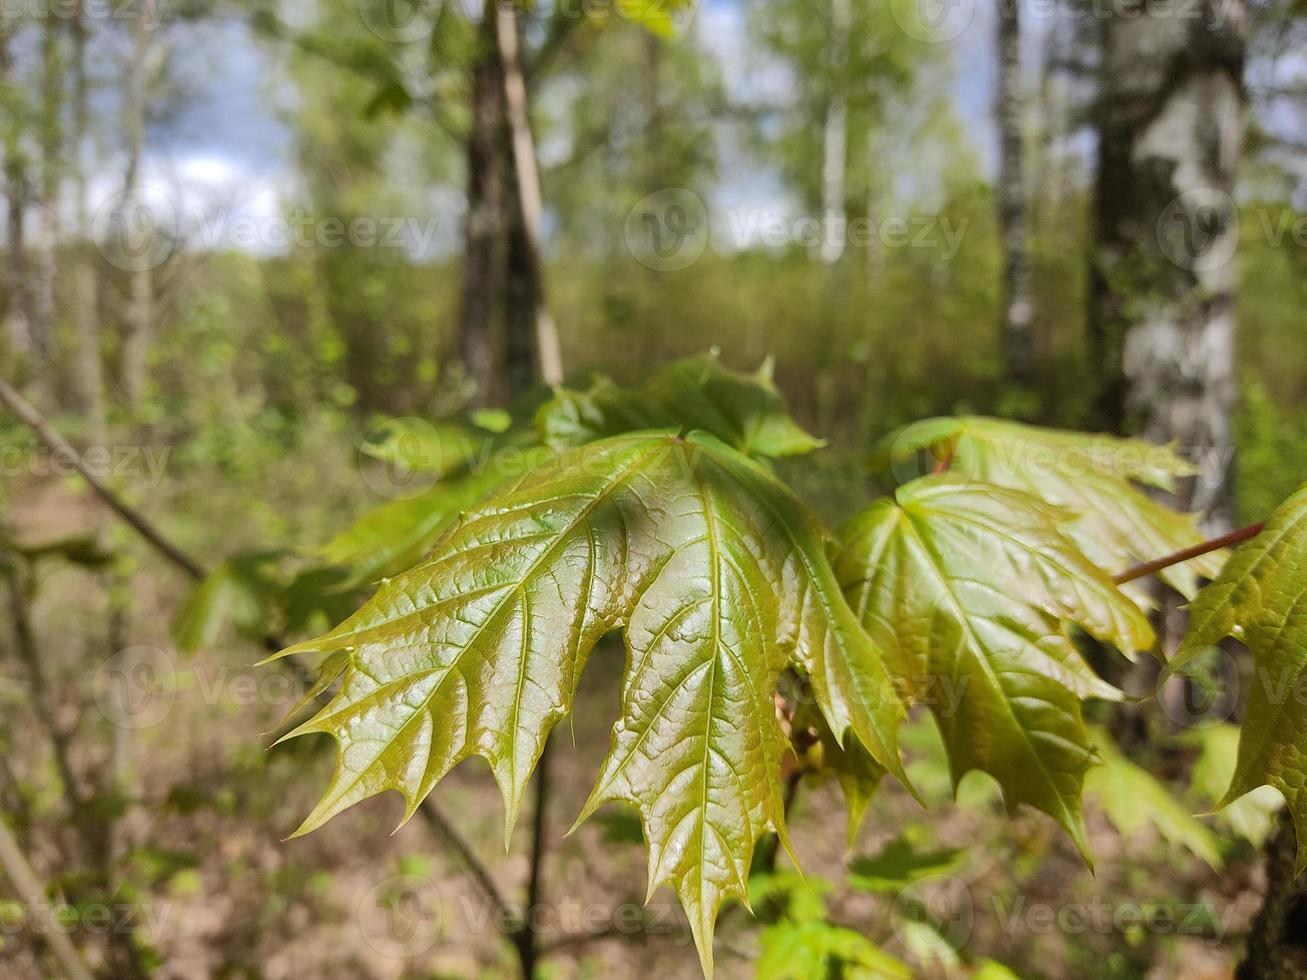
(19, 871)
(1206, 547)
(43, 705)
(945, 461)
(58, 445)
(524, 934)
(438, 822)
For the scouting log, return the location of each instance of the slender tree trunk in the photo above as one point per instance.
(483, 237)
(1162, 273)
(521, 296)
(18, 318)
(1277, 946)
(27, 886)
(1018, 308)
(549, 358)
(88, 372)
(835, 142)
(138, 326)
(44, 271)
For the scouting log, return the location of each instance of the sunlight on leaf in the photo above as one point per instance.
(973, 581)
(718, 576)
(1261, 598)
(1095, 477)
(742, 410)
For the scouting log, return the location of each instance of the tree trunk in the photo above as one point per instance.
(483, 235)
(1018, 310)
(88, 372)
(44, 271)
(27, 886)
(138, 321)
(548, 355)
(521, 296)
(1277, 947)
(836, 136)
(18, 311)
(1162, 275)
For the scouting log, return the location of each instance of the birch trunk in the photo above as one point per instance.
(44, 270)
(138, 325)
(549, 358)
(18, 319)
(1162, 282)
(1018, 310)
(88, 372)
(836, 137)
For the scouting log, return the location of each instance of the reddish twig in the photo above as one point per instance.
(1206, 547)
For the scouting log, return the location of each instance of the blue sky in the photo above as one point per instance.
(227, 147)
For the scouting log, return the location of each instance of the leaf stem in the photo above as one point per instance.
(945, 461)
(1206, 547)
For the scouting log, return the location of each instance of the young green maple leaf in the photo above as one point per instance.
(974, 581)
(742, 410)
(719, 578)
(1094, 477)
(1133, 798)
(388, 539)
(1260, 598)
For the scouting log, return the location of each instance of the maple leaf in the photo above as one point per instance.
(1094, 477)
(974, 582)
(719, 578)
(1260, 598)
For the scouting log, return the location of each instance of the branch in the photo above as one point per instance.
(43, 704)
(58, 445)
(30, 891)
(437, 821)
(1206, 547)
